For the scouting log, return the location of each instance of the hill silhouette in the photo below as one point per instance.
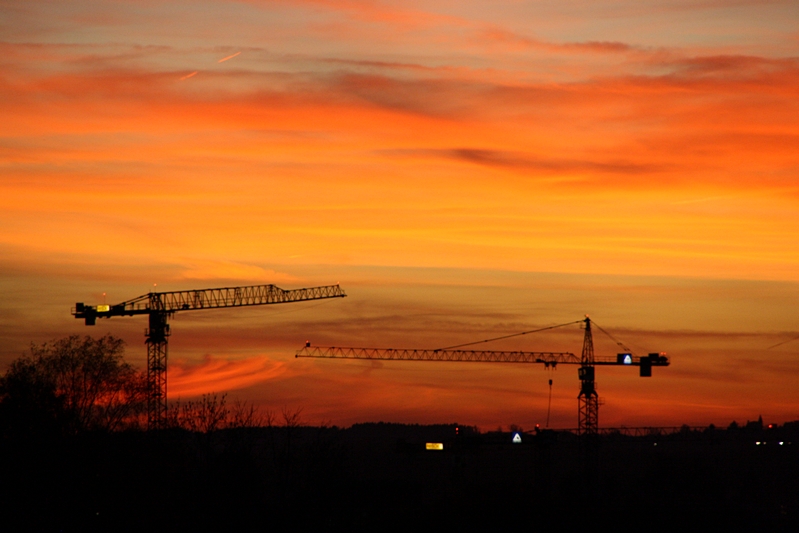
(375, 475)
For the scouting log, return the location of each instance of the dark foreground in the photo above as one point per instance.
(377, 476)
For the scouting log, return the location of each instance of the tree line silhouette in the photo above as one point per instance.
(74, 457)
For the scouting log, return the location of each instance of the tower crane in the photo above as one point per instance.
(587, 400)
(159, 306)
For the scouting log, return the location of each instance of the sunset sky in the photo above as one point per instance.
(463, 169)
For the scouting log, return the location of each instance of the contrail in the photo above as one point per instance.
(228, 57)
(190, 75)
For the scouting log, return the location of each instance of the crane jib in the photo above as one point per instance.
(170, 302)
(478, 356)
(437, 355)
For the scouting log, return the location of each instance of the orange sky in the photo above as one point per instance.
(463, 169)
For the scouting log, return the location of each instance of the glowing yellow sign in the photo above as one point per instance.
(103, 308)
(434, 445)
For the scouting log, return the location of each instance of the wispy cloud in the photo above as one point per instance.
(526, 162)
(229, 57)
(216, 374)
(230, 270)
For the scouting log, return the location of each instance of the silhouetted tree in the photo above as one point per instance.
(210, 413)
(245, 415)
(72, 385)
(205, 415)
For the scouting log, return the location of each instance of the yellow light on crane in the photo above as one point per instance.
(434, 446)
(103, 308)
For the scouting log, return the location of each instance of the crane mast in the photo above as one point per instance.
(588, 399)
(159, 306)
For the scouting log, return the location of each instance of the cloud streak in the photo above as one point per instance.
(214, 374)
(229, 57)
(524, 162)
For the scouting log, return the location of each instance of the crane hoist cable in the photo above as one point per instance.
(549, 405)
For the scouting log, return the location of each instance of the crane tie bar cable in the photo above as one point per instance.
(614, 339)
(508, 336)
(781, 343)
